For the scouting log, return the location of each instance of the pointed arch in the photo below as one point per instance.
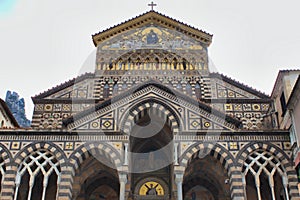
(198, 90)
(106, 91)
(39, 169)
(265, 157)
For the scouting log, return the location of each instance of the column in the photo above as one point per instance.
(176, 153)
(178, 181)
(257, 184)
(125, 153)
(123, 181)
(285, 185)
(271, 183)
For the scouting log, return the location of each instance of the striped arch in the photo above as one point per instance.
(5, 154)
(53, 148)
(26, 151)
(215, 150)
(154, 107)
(82, 153)
(221, 154)
(280, 155)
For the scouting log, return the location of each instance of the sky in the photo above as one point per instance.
(44, 43)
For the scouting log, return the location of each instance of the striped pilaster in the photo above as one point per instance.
(237, 189)
(65, 186)
(8, 187)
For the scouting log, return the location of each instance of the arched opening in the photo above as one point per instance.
(115, 89)
(151, 156)
(189, 90)
(198, 90)
(38, 176)
(106, 91)
(264, 177)
(205, 178)
(96, 179)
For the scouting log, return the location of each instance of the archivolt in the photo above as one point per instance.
(153, 107)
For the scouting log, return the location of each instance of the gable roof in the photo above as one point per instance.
(149, 18)
(240, 85)
(9, 114)
(135, 89)
(62, 86)
(294, 98)
(279, 78)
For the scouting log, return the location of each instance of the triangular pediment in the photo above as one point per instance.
(227, 88)
(153, 18)
(80, 87)
(191, 115)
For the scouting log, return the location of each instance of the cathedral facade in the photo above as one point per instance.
(153, 121)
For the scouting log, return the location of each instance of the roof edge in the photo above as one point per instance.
(239, 84)
(147, 17)
(63, 86)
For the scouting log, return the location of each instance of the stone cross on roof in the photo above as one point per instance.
(152, 5)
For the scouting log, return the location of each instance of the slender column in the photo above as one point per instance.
(285, 185)
(123, 181)
(176, 153)
(18, 181)
(45, 183)
(257, 183)
(126, 154)
(31, 182)
(271, 183)
(178, 181)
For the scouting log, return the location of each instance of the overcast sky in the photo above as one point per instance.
(44, 43)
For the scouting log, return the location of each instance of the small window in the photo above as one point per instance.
(2, 124)
(106, 91)
(179, 87)
(189, 90)
(115, 89)
(198, 90)
(184, 64)
(283, 103)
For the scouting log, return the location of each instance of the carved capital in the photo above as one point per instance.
(178, 178)
(123, 178)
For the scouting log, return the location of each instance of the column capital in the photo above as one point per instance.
(123, 177)
(178, 177)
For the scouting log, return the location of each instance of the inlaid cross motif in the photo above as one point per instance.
(152, 5)
(69, 145)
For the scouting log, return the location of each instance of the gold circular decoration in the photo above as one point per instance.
(48, 107)
(95, 124)
(207, 124)
(256, 107)
(151, 188)
(231, 94)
